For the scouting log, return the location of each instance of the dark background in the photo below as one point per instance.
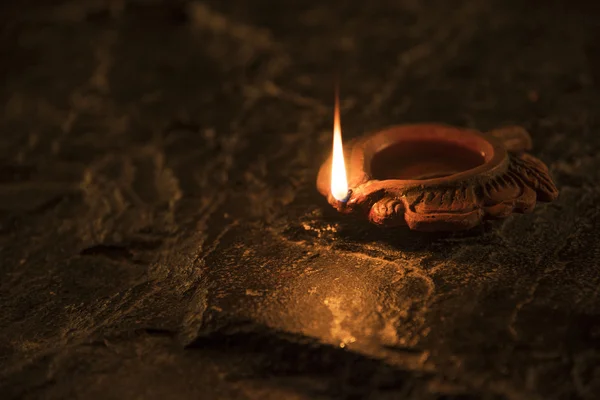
(160, 232)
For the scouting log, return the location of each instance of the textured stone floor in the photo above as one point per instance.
(161, 236)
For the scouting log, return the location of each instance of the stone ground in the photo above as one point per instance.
(161, 236)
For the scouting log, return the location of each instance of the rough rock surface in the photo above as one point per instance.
(161, 236)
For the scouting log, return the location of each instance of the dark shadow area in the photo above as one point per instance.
(113, 252)
(272, 354)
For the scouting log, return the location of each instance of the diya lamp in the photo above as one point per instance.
(434, 177)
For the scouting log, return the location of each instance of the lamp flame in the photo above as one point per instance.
(339, 181)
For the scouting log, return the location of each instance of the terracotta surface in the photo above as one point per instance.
(440, 178)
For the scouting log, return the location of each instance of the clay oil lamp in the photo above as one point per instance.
(434, 177)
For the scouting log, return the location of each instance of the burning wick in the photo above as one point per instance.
(339, 181)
